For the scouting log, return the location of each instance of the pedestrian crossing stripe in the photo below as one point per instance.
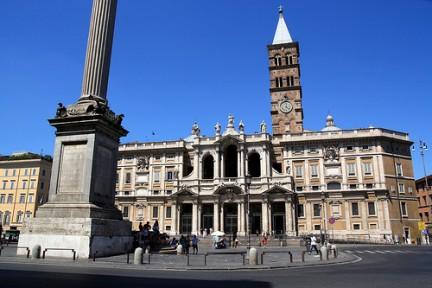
(370, 252)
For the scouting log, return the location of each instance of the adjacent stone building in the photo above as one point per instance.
(302, 181)
(424, 196)
(24, 186)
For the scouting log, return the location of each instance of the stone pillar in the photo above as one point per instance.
(222, 165)
(380, 213)
(243, 170)
(199, 210)
(347, 216)
(269, 217)
(309, 216)
(99, 46)
(289, 219)
(217, 164)
(242, 219)
(194, 218)
(174, 219)
(238, 218)
(264, 214)
(216, 216)
(221, 217)
(364, 215)
(386, 216)
(239, 164)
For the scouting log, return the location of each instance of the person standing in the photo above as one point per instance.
(195, 241)
(187, 244)
(313, 244)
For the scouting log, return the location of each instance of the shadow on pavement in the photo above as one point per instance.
(46, 279)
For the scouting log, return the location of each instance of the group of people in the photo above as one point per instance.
(186, 243)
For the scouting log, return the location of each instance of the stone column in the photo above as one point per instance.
(199, 211)
(242, 219)
(269, 217)
(380, 213)
(217, 164)
(264, 213)
(174, 219)
(99, 46)
(239, 164)
(309, 216)
(194, 217)
(243, 170)
(216, 216)
(238, 218)
(289, 220)
(221, 217)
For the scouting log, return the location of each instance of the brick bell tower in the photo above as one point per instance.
(285, 89)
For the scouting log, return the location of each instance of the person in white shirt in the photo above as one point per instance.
(313, 245)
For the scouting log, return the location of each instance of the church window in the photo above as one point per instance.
(314, 171)
(254, 164)
(126, 211)
(399, 169)
(299, 171)
(367, 168)
(316, 210)
(128, 178)
(351, 169)
(208, 167)
(371, 208)
(155, 211)
(279, 82)
(290, 81)
(354, 209)
(300, 210)
(278, 60)
(156, 176)
(230, 161)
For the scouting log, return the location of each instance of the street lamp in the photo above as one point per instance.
(323, 217)
(248, 181)
(423, 147)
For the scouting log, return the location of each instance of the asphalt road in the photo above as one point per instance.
(380, 267)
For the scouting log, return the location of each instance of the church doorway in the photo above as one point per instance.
(255, 218)
(230, 161)
(278, 218)
(207, 217)
(230, 218)
(186, 219)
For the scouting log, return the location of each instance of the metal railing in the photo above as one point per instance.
(60, 249)
(275, 252)
(243, 254)
(17, 247)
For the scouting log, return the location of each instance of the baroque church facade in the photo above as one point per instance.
(350, 184)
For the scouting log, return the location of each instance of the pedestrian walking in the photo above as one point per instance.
(187, 245)
(195, 241)
(313, 245)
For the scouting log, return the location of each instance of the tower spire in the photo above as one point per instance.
(282, 34)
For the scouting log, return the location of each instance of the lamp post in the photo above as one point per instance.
(248, 181)
(423, 148)
(323, 217)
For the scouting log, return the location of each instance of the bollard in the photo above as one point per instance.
(323, 251)
(253, 256)
(303, 256)
(138, 256)
(36, 252)
(179, 249)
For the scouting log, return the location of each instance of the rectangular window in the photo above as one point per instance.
(365, 147)
(356, 226)
(140, 212)
(2, 200)
(157, 157)
(369, 185)
(168, 192)
(351, 169)
(300, 210)
(401, 188)
(126, 211)
(410, 190)
(156, 176)
(22, 198)
(299, 171)
(399, 171)
(25, 172)
(128, 178)
(43, 172)
(317, 227)
(371, 208)
(313, 150)
(30, 198)
(14, 172)
(299, 188)
(314, 171)
(169, 176)
(168, 212)
(170, 156)
(10, 198)
(355, 209)
(32, 184)
(4, 185)
(353, 186)
(42, 185)
(373, 226)
(367, 168)
(6, 172)
(155, 211)
(34, 172)
(404, 210)
(24, 184)
(315, 188)
(349, 148)
(167, 228)
(117, 178)
(155, 192)
(316, 210)
(12, 184)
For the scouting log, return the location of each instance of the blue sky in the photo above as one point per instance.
(178, 61)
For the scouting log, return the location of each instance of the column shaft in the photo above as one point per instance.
(99, 46)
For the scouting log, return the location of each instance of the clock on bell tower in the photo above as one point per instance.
(285, 89)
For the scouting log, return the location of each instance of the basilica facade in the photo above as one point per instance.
(353, 184)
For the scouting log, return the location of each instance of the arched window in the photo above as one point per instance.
(230, 161)
(279, 82)
(254, 164)
(289, 60)
(278, 60)
(208, 167)
(333, 186)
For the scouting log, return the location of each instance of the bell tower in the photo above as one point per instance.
(285, 89)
